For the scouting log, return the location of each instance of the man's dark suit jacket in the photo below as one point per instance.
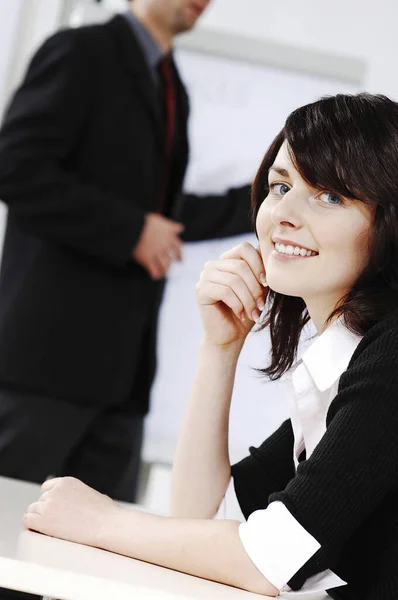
(82, 154)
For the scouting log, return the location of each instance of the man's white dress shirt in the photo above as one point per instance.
(276, 543)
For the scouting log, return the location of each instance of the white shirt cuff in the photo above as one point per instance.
(314, 585)
(229, 507)
(276, 543)
(261, 537)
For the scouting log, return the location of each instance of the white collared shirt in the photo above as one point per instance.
(275, 541)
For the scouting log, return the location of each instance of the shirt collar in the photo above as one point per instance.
(329, 355)
(150, 47)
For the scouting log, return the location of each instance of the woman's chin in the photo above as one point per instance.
(281, 287)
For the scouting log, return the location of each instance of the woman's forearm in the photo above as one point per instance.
(204, 548)
(70, 510)
(201, 468)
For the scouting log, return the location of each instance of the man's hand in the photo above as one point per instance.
(159, 245)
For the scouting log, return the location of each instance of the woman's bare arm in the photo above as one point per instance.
(201, 468)
(204, 548)
(69, 509)
(230, 296)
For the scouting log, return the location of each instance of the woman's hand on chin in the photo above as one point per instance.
(231, 295)
(71, 510)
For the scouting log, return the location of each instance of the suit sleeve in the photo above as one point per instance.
(41, 129)
(354, 467)
(216, 216)
(266, 470)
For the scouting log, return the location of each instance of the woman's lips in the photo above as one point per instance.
(285, 257)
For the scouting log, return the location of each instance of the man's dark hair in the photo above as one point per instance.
(348, 145)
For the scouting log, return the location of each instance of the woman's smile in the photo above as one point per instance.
(287, 250)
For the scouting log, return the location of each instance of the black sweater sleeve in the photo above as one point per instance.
(216, 216)
(41, 127)
(267, 469)
(355, 465)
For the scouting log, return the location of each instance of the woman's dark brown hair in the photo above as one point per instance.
(347, 145)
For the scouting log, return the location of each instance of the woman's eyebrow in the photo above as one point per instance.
(279, 170)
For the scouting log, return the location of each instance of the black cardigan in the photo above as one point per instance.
(346, 494)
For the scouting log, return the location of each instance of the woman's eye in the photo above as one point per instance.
(330, 199)
(279, 188)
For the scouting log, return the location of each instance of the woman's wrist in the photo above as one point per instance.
(229, 352)
(129, 532)
(111, 528)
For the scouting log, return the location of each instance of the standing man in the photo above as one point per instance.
(93, 152)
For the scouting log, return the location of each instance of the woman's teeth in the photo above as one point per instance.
(296, 250)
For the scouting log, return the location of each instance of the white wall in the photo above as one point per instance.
(23, 26)
(361, 28)
(10, 15)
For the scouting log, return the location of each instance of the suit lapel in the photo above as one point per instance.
(135, 63)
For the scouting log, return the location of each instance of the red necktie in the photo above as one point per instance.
(169, 102)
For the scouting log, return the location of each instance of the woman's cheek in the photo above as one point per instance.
(266, 249)
(263, 222)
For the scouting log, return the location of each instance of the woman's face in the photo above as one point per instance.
(313, 243)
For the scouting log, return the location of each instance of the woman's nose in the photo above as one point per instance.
(285, 213)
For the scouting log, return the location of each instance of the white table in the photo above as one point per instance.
(41, 565)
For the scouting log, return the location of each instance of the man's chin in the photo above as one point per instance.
(187, 20)
(185, 27)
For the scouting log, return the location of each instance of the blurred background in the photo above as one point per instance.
(246, 66)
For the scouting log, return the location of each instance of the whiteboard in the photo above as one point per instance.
(236, 110)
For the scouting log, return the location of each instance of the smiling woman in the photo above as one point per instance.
(328, 245)
(316, 505)
(326, 186)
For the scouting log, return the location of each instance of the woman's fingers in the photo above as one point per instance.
(35, 508)
(252, 302)
(31, 520)
(241, 269)
(45, 496)
(50, 483)
(236, 280)
(251, 256)
(211, 293)
(244, 271)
